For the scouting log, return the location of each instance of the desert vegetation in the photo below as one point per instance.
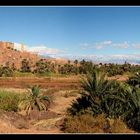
(43, 67)
(75, 97)
(34, 100)
(115, 99)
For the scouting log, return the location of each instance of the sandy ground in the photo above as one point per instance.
(47, 126)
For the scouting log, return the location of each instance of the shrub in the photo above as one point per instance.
(81, 124)
(25, 66)
(86, 123)
(134, 80)
(23, 74)
(6, 71)
(81, 104)
(9, 100)
(118, 126)
(34, 100)
(70, 94)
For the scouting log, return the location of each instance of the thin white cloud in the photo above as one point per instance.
(136, 45)
(121, 45)
(103, 44)
(84, 45)
(41, 50)
(97, 45)
(108, 43)
(117, 58)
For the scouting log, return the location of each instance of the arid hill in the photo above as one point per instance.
(11, 56)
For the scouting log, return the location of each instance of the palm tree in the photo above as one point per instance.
(95, 86)
(103, 96)
(134, 80)
(69, 61)
(34, 100)
(76, 62)
(25, 66)
(132, 117)
(6, 71)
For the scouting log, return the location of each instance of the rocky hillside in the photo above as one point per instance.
(11, 56)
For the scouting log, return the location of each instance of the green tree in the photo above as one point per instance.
(6, 71)
(44, 67)
(25, 66)
(76, 66)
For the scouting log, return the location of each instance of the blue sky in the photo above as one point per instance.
(73, 31)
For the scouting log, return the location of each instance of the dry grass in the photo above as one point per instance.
(71, 93)
(9, 100)
(86, 123)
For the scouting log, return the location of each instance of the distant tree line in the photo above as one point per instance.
(70, 68)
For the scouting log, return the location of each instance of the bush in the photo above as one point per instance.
(70, 93)
(6, 71)
(81, 124)
(34, 100)
(23, 74)
(86, 123)
(79, 105)
(134, 80)
(9, 100)
(118, 126)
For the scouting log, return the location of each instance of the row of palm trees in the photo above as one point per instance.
(79, 67)
(71, 67)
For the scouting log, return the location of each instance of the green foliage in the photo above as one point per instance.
(9, 100)
(103, 96)
(34, 100)
(6, 71)
(23, 74)
(45, 67)
(80, 104)
(25, 66)
(41, 67)
(133, 116)
(86, 66)
(68, 69)
(134, 80)
(114, 99)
